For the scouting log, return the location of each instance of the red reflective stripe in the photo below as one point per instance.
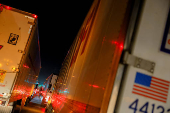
(90, 22)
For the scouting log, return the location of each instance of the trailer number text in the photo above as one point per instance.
(144, 108)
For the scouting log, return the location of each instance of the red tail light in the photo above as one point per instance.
(1, 46)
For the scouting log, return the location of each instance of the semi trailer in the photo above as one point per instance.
(119, 61)
(19, 57)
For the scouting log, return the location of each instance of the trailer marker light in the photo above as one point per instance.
(7, 7)
(1, 46)
(121, 46)
(1, 7)
(114, 42)
(35, 16)
(0, 102)
(13, 68)
(24, 65)
(95, 86)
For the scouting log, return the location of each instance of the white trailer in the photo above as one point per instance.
(19, 56)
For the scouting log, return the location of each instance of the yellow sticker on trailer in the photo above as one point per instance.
(2, 75)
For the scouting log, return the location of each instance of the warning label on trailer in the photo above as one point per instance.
(2, 75)
(13, 38)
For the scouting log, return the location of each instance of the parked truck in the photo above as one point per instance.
(19, 57)
(119, 62)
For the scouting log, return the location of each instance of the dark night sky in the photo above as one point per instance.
(59, 22)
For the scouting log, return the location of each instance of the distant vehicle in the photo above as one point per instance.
(119, 62)
(19, 57)
(49, 87)
(36, 91)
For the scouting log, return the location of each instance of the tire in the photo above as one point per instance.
(14, 106)
(49, 109)
(27, 101)
(19, 102)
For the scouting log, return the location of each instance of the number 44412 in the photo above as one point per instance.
(144, 108)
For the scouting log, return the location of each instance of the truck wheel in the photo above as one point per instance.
(49, 109)
(19, 102)
(14, 106)
(27, 102)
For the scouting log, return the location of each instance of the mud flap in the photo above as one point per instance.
(5, 109)
(23, 102)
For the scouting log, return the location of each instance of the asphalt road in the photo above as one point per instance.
(33, 107)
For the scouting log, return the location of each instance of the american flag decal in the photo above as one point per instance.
(151, 87)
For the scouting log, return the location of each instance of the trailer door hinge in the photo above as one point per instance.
(138, 62)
